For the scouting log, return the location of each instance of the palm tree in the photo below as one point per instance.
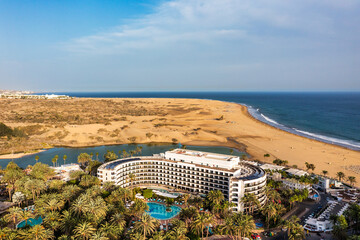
(215, 198)
(53, 160)
(185, 198)
(25, 216)
(18, 198)
(270, 211)
(97, 156)
(97, 208)
(324, 172)
(7, 233)
(158, 236)
(35, 186)
(91, 156)
(340, 175)
(132, 152)
(352, 180)
(125, 194)
(271, 194)
(84, 230)
(293, 199)
(250, 200)
(247, 224)
(196, 202)
(228, 228)
(291, 224)
(136, 236)
(67, 222)
(56, 158)
(64, 158)
(307, 166)
(12, 173)
(54, 204)
(124, 153)
(188, 215)
(353, 215)
(109, 230)
(209, 220)
(13, 215)
(80, 206)
(36, 158)
(118, 219)
(38, 232)
(83, 158)
(199, 223)
(131, 178)
(297, 233)
(177, 233)
(99, 236)
(146, 225)
(52, 220)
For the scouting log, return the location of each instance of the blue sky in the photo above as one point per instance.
(88, 45)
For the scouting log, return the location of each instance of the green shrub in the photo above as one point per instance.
(147, 193)
(5, 130)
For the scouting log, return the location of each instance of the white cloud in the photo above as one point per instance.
(216, 21)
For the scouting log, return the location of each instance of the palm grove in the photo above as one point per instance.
(83, 209)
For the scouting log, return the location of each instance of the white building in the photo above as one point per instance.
(190, 171)
(272, 167)
(295, 184)
(64, 170)
(296, 172)
(322, 222)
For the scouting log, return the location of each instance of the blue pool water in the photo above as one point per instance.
(158, 211)
(31, 222)
(316, 195)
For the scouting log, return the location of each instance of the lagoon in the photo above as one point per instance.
(72, 153)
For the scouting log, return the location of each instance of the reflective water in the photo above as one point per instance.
(73, 153)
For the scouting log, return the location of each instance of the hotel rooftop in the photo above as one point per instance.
(204, 158)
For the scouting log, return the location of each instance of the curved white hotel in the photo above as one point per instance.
(189, 171)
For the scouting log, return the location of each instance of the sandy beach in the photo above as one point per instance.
(189, 121)
(19, 155)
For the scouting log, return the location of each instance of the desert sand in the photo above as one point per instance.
(189, 121)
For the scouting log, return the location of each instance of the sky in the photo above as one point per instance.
(180, 45)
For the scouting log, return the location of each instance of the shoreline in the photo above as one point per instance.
(21, 154)
(298, 135)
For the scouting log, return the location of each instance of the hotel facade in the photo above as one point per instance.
(189, 171)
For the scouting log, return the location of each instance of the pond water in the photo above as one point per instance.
(72, 153)
(158, 211)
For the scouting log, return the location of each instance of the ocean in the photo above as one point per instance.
(331, 117)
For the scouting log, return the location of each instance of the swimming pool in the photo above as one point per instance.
(316, 195)
(158, 211)
(31, 222)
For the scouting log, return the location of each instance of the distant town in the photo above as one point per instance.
(15, 94)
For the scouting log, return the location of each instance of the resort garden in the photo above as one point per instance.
(82, 208)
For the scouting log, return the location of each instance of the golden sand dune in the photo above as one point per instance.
(88, 122)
